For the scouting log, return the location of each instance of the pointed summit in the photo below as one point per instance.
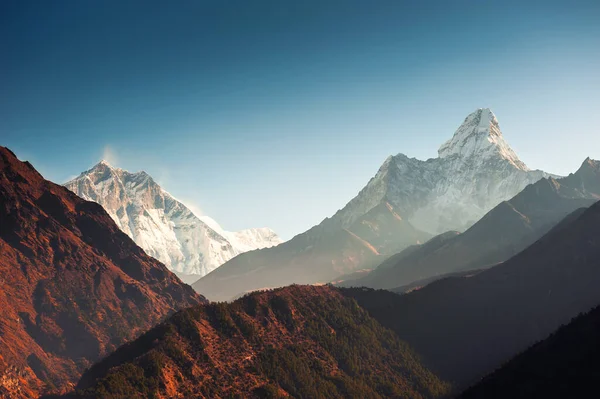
(590, 164)
(102, 166)
(587, 177)
(480, 136)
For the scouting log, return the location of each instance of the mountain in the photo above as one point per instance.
(298, 341)
(475, 170)
(165, 228)
(465, 327)
(505, 231)
(407, 202)
(564, 365)
(73, 287)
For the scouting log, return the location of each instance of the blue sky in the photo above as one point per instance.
(276, 113)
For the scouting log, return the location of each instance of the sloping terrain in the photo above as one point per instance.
(317, 256)
(465, 327)
(298, 341)
(73, 287)
(564, 365)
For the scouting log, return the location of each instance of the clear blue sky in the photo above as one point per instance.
(276, 113)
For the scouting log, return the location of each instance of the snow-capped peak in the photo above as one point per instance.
(480, 136)
(475, 171)
(163, 226)
(101, 166)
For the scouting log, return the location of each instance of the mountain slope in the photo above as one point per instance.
(506, 230)
(165, 228)
(465, 327)
(564, 365)
(302, 341)
(317, 256)
(73, 286)
(405, 203)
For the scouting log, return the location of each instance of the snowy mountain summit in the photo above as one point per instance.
(164, 227)
(480, 136)
(475, 170)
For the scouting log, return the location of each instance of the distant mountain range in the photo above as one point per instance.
(406, 203)
(73, 287)
(166, 229)
(505, 231)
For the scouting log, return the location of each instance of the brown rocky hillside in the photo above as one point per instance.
(73, 287)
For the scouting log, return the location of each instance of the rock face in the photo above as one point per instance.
(73, 287)
(298, 341)
(407, 202)
(164, 227)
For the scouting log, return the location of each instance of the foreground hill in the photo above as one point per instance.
(407, 202)
(465, 327)
(73, 286)
(565, 365)
(298, 341)
(188, 244)
(505, 231)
